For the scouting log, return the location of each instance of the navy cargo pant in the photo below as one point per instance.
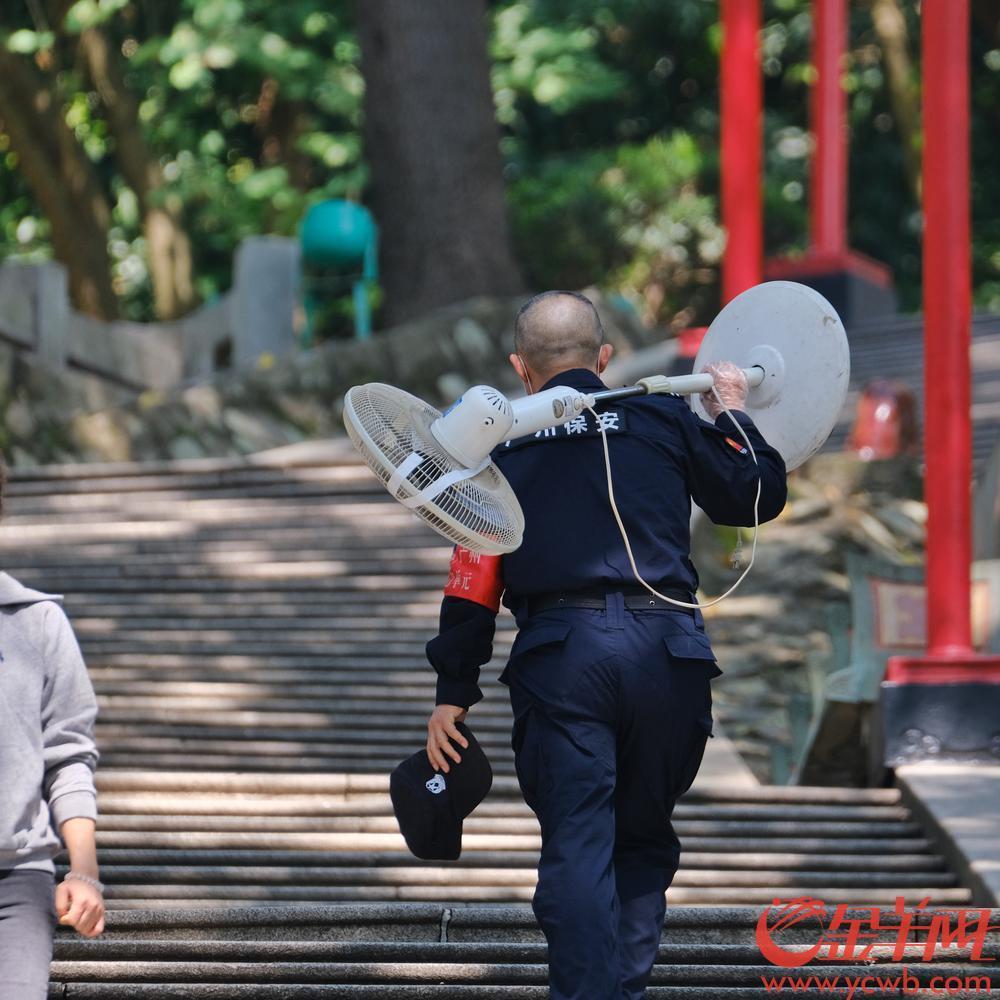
(612, 711)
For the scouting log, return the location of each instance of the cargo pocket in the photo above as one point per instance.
(524, 743)
(687, 774)
(685, 641)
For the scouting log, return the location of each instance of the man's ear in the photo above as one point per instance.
(518, 365)
(604, 356)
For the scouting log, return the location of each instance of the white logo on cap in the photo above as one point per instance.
(436, 784)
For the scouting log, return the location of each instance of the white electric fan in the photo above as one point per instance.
(786, 337)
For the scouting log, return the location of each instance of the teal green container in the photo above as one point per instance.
(336, 233)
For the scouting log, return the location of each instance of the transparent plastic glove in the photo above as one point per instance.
(731, 385)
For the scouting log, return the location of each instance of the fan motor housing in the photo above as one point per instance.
(479, 420)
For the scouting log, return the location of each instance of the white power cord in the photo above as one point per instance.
(624, 533)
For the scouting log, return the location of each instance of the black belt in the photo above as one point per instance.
(636, 599)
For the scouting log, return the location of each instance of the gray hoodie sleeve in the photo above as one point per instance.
(69, 709)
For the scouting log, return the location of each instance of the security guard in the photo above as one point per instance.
(609, 686)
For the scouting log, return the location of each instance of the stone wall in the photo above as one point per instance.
(279, 400)
(49, 414)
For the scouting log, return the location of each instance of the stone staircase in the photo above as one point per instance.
(255, 633)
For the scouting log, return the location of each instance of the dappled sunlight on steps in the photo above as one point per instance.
(255, 634)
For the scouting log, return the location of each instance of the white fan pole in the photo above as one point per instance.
(687, 385)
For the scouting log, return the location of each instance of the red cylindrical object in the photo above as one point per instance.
(828, 112)
(885, 422)
(741, 143)
(947, 317)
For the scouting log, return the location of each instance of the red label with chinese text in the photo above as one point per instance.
(475, 577)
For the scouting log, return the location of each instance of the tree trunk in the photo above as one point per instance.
(62, 180)
(904, 91)
(432, 148)
(167, 242)
(986, 14)
(280, 124)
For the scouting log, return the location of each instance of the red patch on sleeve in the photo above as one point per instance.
(475, 577)
(735, 444)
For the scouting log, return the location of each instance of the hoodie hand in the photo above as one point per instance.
(81, 906)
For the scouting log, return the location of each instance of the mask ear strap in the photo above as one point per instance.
(527, 377)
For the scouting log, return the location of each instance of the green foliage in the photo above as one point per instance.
(562, 223)
(254, 108)
(615, 184)
(632, 219)
(90, 13)
(609, 120)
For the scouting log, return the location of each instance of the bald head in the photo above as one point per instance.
(555, 331)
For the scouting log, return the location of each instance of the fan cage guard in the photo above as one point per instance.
(387, 425)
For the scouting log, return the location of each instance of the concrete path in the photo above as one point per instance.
(961, 805)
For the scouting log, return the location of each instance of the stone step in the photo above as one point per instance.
(222, 644)
(441, 969)
(354, 817)
(184, 570)
(322, 505)
(146, 896)
(425, 922)
(496, 806)
(214, 544)
(290, 460)
(116, 707)
(201, 696)
(408, 991)
(304, 606)
(492, 829)
(306, 762)
(278, 668)
(110, 949)
(118, 646)
(502, 801)
(327, 840)
(490, 849)
(339, 783)
(125, 878)
(412, 628)
(372, 583)
(122, 494)
(248, 720)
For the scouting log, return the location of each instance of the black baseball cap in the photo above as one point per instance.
(430, 806)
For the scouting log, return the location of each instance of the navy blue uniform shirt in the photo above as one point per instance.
(662, 456)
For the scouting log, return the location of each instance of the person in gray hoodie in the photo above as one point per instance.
(47, 795)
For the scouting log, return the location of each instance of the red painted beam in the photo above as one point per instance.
(828, 114)
(947, 318)
(741, 101)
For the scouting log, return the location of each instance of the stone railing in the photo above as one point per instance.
(256, 317)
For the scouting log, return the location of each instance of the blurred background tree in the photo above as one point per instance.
(140, 140)
(431, 146)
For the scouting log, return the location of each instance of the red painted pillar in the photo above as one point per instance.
(741, 101)
(947, 316)
(828, 113)
(944, 705)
